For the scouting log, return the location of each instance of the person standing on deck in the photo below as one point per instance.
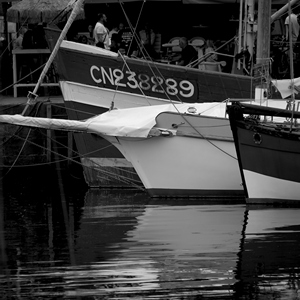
(101, 32)
(294, 25)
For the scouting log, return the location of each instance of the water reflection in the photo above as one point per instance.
(109, 245)
(270, 258)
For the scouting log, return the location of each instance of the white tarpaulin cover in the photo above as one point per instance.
(130, 122)
(284, 86)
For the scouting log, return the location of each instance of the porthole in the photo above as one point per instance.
(257, 138)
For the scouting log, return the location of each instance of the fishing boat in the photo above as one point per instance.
(267, 145)
(92, 79)
(177, 150)
(87, 72)
(268, 153)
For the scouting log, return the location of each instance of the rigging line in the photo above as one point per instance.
(160, 85)
(133, 29)
(26, 20)
(19, 128)
(35, 165)
(25, 140)
(78, 154)
(16, 159)
(203, 137)
(157, 79)
(112, 175)
(286, 12)
(141, 90)
(208, 140)
(205, 56)
(22, 78)
(146, 60)
(123, 67)
(121, 178)
(217, 104)
(134, 35)
(64, 12)
(75, 110)
(138, 42)
(11, 107)
(200, 127)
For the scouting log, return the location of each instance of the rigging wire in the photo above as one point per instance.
(146, 57)
(22, 25)
(121, 178)
(22, 78)
(181, 101)
(25, 140)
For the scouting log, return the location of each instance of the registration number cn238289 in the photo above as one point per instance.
(131, 80)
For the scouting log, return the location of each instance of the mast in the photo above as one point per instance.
(292, 101)
(291, 52)
(262, 67)
(32, 95)
(263, 31)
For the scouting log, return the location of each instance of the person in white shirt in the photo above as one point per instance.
(101, 32)
(17, 43)
(294, 25)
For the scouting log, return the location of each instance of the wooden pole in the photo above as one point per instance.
(32, 95)
(49, 134)
(263, 31)
(291, 51)
(240, 32)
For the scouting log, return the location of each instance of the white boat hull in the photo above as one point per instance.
(190, 181)
(183, 166)
(270, 189)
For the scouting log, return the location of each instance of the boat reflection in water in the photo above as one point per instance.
(270, 258)
(111, 244)
(171, 250)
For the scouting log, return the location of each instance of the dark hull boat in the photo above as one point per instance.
(268, 153)
(89, 75)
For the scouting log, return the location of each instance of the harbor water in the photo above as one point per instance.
(62, 240)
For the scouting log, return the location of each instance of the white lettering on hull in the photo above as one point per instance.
(156, 84)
